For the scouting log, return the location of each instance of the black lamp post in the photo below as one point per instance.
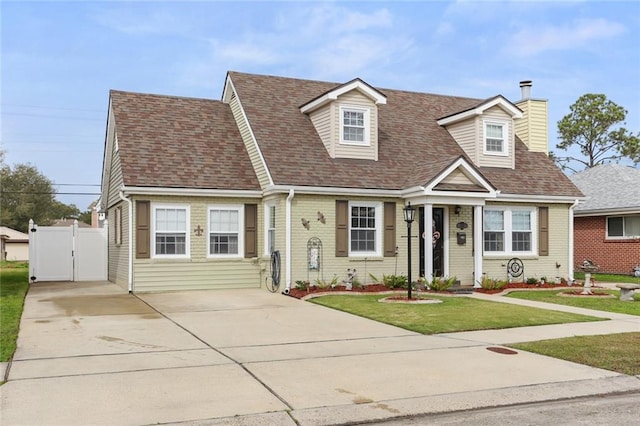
(409, 215)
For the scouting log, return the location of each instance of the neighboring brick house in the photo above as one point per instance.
(607, 224)
(199, 193)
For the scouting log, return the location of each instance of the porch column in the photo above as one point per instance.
(477, 245)
(428, 242)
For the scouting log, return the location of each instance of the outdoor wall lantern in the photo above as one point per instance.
(457, 210)
(409, 215)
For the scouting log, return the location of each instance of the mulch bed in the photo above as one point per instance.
(521, 286)
(369, 288)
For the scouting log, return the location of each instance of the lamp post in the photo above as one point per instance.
(409, 215)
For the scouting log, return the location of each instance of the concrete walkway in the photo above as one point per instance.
(90, 353)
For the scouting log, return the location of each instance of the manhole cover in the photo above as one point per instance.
(504, 351)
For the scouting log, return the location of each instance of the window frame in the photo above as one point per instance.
(624, 235)
(240, 209)
(378, 228)
(269, 215)
(505, 137)
(366, 126)
(187, 249)
(508, 231)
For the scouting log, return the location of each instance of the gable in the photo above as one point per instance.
(460, 176)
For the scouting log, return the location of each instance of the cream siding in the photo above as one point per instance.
(118, 267)
(249, 142)
(357, 100)
(533, 128)
(307, 207)
(539, 266)
(321, 120)
(116, 182)
(199, 271)
(466, 135)
(458, 177)
(461, 256)
(485, 160)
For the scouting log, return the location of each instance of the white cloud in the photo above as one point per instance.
(128, 22)
(578, 34)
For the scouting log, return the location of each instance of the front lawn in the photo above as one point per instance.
(615, 352)
(588, 302)
(609, 278)
(452, 315)
(13, 289)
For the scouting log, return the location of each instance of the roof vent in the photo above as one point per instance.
(525, 87)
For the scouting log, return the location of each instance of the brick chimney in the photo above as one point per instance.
(533, 127)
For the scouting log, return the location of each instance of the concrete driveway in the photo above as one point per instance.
(90, 353)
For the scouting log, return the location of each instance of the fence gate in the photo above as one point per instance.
(67, 253)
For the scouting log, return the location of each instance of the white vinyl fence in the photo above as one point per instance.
(67, 253)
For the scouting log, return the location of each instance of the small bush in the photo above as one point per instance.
(394, 281)
(532, 280)
(442, 283)
(492, 283)
(302, 285)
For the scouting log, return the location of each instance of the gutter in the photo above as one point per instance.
(570, 269)
(130, 255)
(287, 288)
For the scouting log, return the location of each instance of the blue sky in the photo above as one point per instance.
(60, 59)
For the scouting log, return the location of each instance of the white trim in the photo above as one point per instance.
(287, 243)
(191, 192)
(571, 242)
(478, 245)
(324, 190)
(445, 241)
(253, 136)
(428, 242)
(550, 199)
(333, 95)
(467, 170)
(507, 106)
(378, 228)
(267, 205)
(235, 207)
(608, 212)
(366, 114)
(505, 137)
(130, 254)
(187, 231)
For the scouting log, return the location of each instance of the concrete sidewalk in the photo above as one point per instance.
(92, 354)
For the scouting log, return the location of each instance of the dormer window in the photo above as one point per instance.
(354, 128)
(495, 138)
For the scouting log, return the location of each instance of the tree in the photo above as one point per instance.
(25, 194)
(593, 126)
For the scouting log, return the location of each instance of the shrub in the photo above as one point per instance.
(394, 281)
(302, 285)
(532, 280)
(492, 283)
(442, 283)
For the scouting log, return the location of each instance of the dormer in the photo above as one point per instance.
(346, 119)
(486, 132)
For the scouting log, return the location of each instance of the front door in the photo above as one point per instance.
(437, 239)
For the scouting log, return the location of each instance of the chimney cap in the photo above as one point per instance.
(524, 83)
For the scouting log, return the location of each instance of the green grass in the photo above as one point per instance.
(452, 315)
(597, 303)
(13, 288)
(615, 352)
(609, 278)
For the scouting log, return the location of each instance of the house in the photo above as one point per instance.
(14, 245)
(199, 193)
(607, 224)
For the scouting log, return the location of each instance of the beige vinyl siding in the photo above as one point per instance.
(458, 177)
(200, 271)
(115, 180)
(249, 142)
(539, 266)
(118, 268)
(533, 128)
(322, 122)
(461, 256)
(485, 160)
(466, 135)
(357, 100)
(307, 207)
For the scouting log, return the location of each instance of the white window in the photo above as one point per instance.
(621, 227)
(270, 228)
(226, 231)
(495, 138)
(170, 230)
(365, 221)
(354, 127)
(509, 231)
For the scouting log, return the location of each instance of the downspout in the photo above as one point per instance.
(130, 268)
(570, 269)
(287, 288)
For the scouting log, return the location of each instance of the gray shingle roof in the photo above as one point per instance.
(609, 187)
(175, 142)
